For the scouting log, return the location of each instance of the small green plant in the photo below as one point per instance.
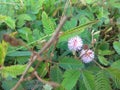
(59, 45)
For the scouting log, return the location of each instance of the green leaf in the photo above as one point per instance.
(34, 6)
(115, 75)
(14, 70)
(102, 82)
(86, 37)
(75, 31)
(43, 69)
(74, 1)
(37, 34)
(26, 34)
(21, 59)
(65, 53)
(114, 3)
(116, 46)
(22, 18)
(70, 63)
(37, 6)
(8, 84)
(60, 88)
(48, 24)
(25, 30)
(90, 1)
(88, 79)
(116, 64)
(10, 22)
(3, 51)
(2, 18)
(70, 79)
(81, 84)
(2, 56)
(105, 52)
(33, 83)
(55, 74)
(19, 53)
(103, 60)
(84, 19)
(103, 46)
(70, 24)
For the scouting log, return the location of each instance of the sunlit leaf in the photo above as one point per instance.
(14, 70)
(105, 52)
(2, 18)
(3, 51)
(48, 24)
(22, 18)
(116, 64)
(103, 60)
(43, 69)
(10, 22)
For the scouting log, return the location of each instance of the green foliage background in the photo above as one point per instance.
(34, 22)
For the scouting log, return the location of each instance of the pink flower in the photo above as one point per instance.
(87, 55)
(75, 43)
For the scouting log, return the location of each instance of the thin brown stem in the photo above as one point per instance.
(32, 59)
(98, 64)
(54, 37)
(34, 56)
(55, 34)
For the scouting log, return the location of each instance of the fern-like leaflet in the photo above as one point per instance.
(102, 81)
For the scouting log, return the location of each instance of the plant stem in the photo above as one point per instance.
(35, 55)
(98, 64)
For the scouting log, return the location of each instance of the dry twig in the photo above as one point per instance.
(34, 55)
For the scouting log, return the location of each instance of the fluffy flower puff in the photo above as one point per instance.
(75, 43)
(87, 55)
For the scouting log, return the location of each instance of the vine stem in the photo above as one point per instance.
(35, 55)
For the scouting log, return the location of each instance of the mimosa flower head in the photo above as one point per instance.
(87, 55)
(75, 43)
